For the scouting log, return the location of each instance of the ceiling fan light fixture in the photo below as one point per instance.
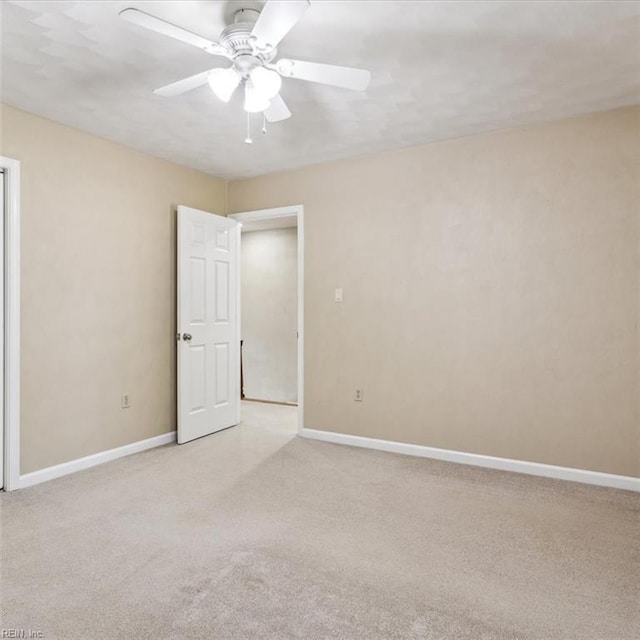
(251, 45)
(254, 100)
(267, 82)
(223, 82)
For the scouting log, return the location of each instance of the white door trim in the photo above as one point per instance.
(282, 212)
(11, 324)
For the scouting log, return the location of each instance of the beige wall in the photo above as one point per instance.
(490, 291)
(490, 284)
(98, 287)
(269, 314)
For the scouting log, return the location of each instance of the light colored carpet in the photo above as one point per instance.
(253, 533)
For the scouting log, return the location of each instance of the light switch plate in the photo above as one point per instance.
(338, 295)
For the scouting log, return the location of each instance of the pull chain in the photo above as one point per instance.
(248, 139)
(264, 122)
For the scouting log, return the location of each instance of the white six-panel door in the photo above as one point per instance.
(208, 323)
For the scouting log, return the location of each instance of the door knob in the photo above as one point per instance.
(186, 336)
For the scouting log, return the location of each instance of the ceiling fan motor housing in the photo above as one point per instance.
(237, 39)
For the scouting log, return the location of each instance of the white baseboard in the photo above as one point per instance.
(505, 464)
(36, 477)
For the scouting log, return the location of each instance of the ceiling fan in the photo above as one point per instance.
(250, 43)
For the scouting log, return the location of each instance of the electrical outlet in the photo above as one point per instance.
(126, 401)
(357, 396)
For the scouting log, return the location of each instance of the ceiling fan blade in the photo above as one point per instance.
(276, 20)
(277, 110)
(146, 20)
(184, 85)
(345, 77)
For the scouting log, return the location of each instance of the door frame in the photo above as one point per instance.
(285, 212)
(11, 466)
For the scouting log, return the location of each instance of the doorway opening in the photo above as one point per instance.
(272, 290)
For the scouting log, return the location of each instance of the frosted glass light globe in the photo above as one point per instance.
(254, 100)
(267, 82)
(223, 82)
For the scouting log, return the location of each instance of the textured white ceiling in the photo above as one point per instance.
(439, 70)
